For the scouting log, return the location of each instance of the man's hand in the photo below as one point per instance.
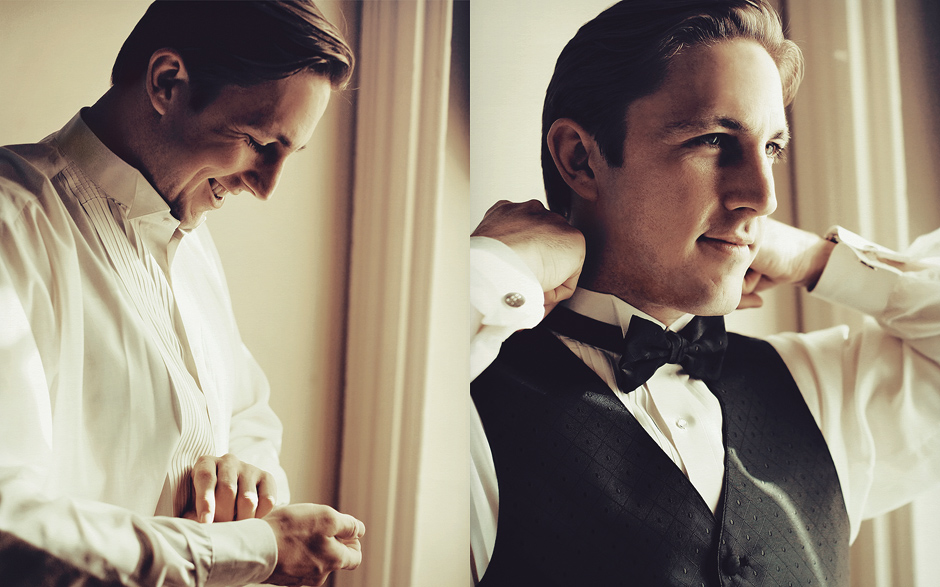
(312, 542)
(227, 489)
(545, 242)
(786, 255)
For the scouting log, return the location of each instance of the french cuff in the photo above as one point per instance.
(859, 273)
(242, 552)
(502, 287)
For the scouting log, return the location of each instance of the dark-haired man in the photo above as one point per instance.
(125, 390)
(627, 439)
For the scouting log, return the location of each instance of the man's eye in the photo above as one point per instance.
(714, 140)
(774, 150)
(254, 144)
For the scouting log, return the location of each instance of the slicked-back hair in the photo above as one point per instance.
(624, 54)
(241, 43)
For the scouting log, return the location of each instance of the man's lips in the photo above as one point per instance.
(218, 190)
(735, 246)
(732, 240)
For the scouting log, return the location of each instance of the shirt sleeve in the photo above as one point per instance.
(78, 542)
(506, 296)
(51, 537)
(875, 389)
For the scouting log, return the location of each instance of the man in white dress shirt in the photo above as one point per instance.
(667, 175)
(136, 441)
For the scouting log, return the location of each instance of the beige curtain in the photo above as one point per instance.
(404, 464)
(858, 150)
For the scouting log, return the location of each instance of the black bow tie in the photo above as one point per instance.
(699, 348)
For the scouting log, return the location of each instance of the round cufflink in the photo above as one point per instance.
(514, 299)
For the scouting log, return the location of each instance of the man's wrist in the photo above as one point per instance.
(242, 551)
(818, 261)
(503, 289)
(859, 274)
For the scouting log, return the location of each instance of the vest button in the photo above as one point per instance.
(732, 565)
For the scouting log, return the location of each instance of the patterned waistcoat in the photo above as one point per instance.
(586, 497)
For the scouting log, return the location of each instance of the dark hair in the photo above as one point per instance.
(623, 54)
(241, 43)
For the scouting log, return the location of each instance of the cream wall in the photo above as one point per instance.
(285, 259)
(286, 262)
(513, 50)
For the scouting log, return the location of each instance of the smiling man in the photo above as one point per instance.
(136, 441)
(627, 439)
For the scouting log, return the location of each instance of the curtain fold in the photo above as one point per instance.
(851, 165)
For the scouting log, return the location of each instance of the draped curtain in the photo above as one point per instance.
(404, 453)
(863, 157)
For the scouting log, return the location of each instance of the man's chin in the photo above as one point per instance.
(721, 304)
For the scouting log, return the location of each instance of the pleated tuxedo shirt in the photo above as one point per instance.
(120, 365)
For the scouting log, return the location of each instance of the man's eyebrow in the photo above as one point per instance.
(288, 144)
(696, 125)
(255, 125)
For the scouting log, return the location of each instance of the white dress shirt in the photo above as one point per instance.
(120, 364)
(875, 393)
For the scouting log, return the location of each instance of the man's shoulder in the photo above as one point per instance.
(25, 173)
(534, 358)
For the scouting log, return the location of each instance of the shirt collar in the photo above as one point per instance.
(610, 309)
(113, 175)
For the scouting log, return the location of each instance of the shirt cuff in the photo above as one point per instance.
(242, 552)
(502, 287)
(859, 273)
(506, 294)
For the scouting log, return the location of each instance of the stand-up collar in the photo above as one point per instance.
(124, 184)
(112, 174)
(610, 309)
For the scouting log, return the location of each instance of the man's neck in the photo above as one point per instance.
(113, 120)
(661, 313)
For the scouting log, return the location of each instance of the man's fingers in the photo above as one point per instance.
(352, 555)
(752, 300)
(561, 293)
(348, 527)
(204, 480)
(751, 279)
(246, 504)
(267, 495)
(347, 552)
(226, 488)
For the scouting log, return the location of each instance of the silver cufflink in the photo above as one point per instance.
(514, 299)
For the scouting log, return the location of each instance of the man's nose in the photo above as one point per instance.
(263, 177)
(752, 185)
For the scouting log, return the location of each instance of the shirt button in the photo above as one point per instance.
(514, 299)
(682, 423)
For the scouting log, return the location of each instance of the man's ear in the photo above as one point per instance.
(572, 148)
(167, 79)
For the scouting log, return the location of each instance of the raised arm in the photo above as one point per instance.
(524, 259)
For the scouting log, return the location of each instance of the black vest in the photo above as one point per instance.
(587, 498)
